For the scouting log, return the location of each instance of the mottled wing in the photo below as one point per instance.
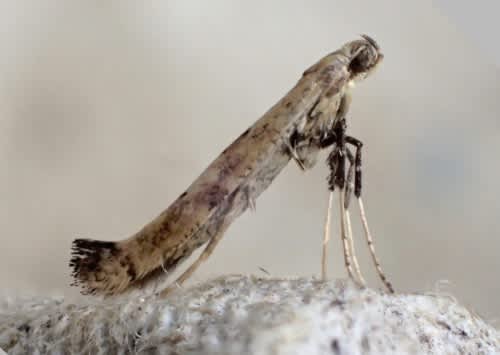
(112, 267)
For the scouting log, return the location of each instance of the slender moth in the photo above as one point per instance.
(304, 121)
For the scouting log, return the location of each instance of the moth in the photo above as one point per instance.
(305, 121)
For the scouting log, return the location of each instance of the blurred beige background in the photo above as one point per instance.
(108, 110)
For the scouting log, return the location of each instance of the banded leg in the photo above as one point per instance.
(337, 178)
(343, 236)
(347, 194)
(339, 181)
(371, 247)
(357, 164)
(332, 163)
(326, 236)
(364, 221)
(345, 229)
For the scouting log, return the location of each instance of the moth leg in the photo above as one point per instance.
(332, 162)
(371, 247)
(212, 243)
(357, 164)
(361, 281)
(347, 194)
(357, 193)
(339, 177)
(250, 199)
(336, 163)
(343, 236)
(296, 158)
(328, 140)
(349, 184)
(291, 144)
(326, 236)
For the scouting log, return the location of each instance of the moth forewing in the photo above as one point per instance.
(297, 127)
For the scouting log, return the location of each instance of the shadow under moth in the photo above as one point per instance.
(309, 118)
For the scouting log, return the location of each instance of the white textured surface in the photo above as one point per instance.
(249, 315)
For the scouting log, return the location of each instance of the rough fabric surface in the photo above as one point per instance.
(249, 315)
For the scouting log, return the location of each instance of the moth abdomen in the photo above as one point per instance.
(100, 266)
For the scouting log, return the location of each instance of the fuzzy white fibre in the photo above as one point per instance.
(249, 315)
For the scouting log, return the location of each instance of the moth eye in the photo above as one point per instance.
(363, 61)
(357, 65)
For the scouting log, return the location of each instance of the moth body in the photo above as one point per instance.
(292, 129)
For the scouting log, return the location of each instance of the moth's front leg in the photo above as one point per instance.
(305, 144)
(319, 128)
(293, 144)
(328, 139)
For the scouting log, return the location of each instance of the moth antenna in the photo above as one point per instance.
(371, 247)
(371, 41)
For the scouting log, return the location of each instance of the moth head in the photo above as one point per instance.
(363, 57)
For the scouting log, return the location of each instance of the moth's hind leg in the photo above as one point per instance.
(337, 162)
(357, 164)
(349, 183)
(348, 254)
(348, 228)
(338, 178)
(357, 193)
(326, 236)
(371, 247)
(205, 254)
(332, 162)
